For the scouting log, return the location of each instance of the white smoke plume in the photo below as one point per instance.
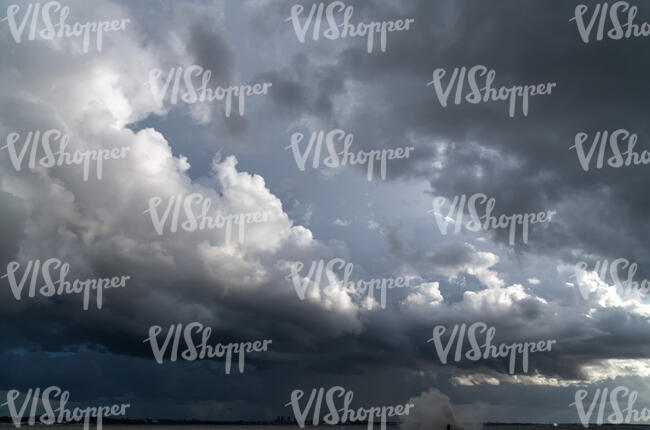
(433, 411)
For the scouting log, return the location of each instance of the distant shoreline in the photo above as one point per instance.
(168, 422)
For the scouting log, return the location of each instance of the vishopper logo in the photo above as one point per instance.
(618, 29)
(341, 30)
(205, 351)
(196, 209)
(484, 222)
(360, 287)
(330, 139)
(50, 30)
(502, 350)
(628, 415)
(45, 141)
(55, 268)
(341, 415)
(204, 94)
(486, 93)
(618, 158)
(626, 287)
(64, 415)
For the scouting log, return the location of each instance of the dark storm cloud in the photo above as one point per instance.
(212, 51)
(305, 90)
(12, 210)
(607, 77)
(515, 40)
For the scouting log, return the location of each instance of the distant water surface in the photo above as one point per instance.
(296, 427)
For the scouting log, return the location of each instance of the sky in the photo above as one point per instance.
(242, 287)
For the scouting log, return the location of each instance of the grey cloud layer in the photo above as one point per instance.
(382, 98)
